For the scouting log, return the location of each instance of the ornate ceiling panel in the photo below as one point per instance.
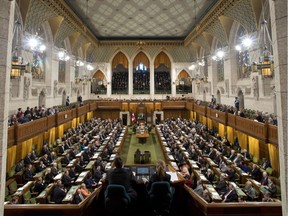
(37, 14)
(243, 13)
(112, 19)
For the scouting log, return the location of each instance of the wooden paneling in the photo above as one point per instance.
(92, 106)
(125, 106)
(231, 120)
(133, 107)
(11, 136)
(173, 105)
(190, 105)
(216, 115)
(74, 113)
(109, 105)
(63, 117)
(174, 113)
(51, 121)
(30, 129)
(82, 110)
(272, 134)
(250, 127)
(200, 109)
(197, 204)
(158, 106)
(108, 114)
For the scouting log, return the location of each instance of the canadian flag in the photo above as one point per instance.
(133, 118)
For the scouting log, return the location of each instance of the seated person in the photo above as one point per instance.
(84, 190)
(250, 191)
(122, 176)
(89, 181)
(271, 187)
(39, 186)
(210, 175)
(199, 188)
(66, 179)
(48, 176)
(221, 186)
(231, 195)
(58, 194)
(159, 175)
(78, 197)
(255, 172)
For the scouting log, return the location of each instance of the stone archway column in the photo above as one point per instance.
(279, 23)
(6, 23)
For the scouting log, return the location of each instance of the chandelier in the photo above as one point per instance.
(18, 67)
(266, 60)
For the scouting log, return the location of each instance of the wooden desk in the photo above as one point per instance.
(70, 194)
(142, 137)
(20, 191)
(42, 197)
(81, 177)
(213, 193)
(90, 165)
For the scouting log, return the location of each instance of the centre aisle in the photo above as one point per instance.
(131, 144)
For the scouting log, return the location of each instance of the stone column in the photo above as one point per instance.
(6, 36)
(279, 23)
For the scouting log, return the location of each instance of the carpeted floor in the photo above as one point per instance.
(132, 144)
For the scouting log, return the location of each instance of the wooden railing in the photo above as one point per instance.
(262, 131)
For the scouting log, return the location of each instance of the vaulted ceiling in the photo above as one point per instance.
(140, 19)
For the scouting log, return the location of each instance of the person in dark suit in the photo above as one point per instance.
(48, 176)
(221, 186)
(122, 176)
(58, 194)
(27, 159)
(54, 169)
(66, 179)
(28, 173)
(78, 197)
(271, 187)
(231, 195)
(39, 186)
(255, 172)
(264, 179)
(40, 167)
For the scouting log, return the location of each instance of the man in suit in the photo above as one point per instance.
(58, 194)
(78, 196)
(255, 172)
(199, 188)
(221, 186)
(28, 173)
(122, 176)
(264, 179)
(27, 159)
(231, 195)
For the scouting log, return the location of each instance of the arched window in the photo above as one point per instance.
(242, 56)
(141, 79)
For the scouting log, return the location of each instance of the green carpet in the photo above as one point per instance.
(131, 144)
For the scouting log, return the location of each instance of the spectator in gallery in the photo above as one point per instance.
(67, 101)
(236, 104)
(213, 100)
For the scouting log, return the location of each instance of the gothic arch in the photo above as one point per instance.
(120, 58)
(141, 56)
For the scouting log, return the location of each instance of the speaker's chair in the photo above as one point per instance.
(161, 196)
(116, 199)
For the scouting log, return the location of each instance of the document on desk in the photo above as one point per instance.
(174, 176)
